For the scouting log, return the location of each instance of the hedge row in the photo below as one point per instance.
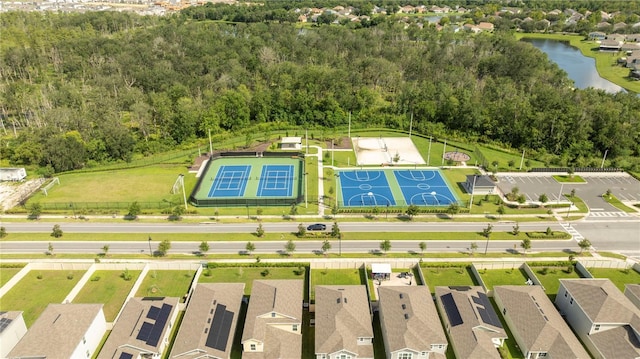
(544, 235)
(556, 264)
(212, 265)
(12, 265)
(443, 265)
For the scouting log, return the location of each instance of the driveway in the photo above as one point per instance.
(532, 185)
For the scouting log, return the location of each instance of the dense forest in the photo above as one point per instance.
(83, 89)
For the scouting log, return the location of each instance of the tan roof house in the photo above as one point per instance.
(475, 331)
(410, 323)
(535, 323)
(606, 321)
(209, 323)
(343, 322)
(485, 26)
(632, 291)
(12, 329)
(272, 328)
(142, 329)
(63, 331)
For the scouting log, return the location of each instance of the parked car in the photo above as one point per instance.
(316, 227)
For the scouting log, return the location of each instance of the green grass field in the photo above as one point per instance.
(614, 201)
(7, 273)
(493, 277)
(569, 179)
(334, 277)
(504, 158)
(437, 277)
(619, 277)
(166, 283)
(152, 184)
(247, 275)
(550, 278)
(111, 289)
(32, 295)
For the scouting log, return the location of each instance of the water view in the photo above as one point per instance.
(581, 69)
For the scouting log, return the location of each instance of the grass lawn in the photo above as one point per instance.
(152, 184)
(110, 289)
(340, 158)
(334, 277)
(455, 178)
(614, 201)
(247, 275)
(551, 276)
(619, 277)
(504, 158)
(166, 283)
(569, 179)
(492, 277)
(7, 273)
(437, 277)
(32, 295)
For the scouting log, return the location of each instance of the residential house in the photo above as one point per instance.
(142, 328)
(535, 323)
(619, 26)
(407, 9)
(610, 45)
(12, 329)
(343, 322)
(632, 291)
(479, 184)
(485, 26)
(63, 331)
(616, 37)
(471, 27)
(474, 329)
(209, 323)
(606, 321)
(273, 325)
(632, 38)
(603, 25)
(410, 323)
(597, 35)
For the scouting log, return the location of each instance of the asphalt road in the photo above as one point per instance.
(618, 236)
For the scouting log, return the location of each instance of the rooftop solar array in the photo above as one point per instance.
(220, 328)
(124, 355)
(487, 313)
(4, 323)
(451, 309)
(150, 333)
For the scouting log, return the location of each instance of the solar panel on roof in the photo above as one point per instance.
(145, 330)
(451, 309)
(158, 327)
(153, 312)
(487, 313)
(124, 355)
(220, 328)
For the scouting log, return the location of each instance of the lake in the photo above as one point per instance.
(581, 69)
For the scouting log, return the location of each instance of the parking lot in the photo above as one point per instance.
(532, 185)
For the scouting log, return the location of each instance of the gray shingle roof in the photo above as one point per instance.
(343, 316)
(422, 327)
(123, 337)
(283, 297)
(472, 338)
(58, 331)
(632, 291)
(537, 322)
(199, 315)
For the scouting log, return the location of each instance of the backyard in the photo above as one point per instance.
(109, 287)
(450, 276)
(7, 273)
(619, 277)
(334, 277)
(550, 276)
(166, 283)
(509, 276)
(247, 275)
(37, 289)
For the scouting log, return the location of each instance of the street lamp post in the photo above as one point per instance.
(486, 246)
(306, 205)
(150, 252)
(473, 188)
(560, 194)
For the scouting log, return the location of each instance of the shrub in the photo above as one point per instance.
(265, 272)
(39, 276)
(126, 275)
(95, 278)
(207, 272)
(70, 276)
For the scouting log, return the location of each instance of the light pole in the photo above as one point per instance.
(429, 151)
(150, 252)
(331, 153)
(569, 209)
(306, 205)
(560, 194)
(604, 158)
(337, 175)
(184, 194)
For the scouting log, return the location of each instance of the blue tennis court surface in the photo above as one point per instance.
(230, 181)
(365, 188)
(276, 181)
(424, 188)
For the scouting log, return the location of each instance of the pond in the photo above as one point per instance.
(581, 69)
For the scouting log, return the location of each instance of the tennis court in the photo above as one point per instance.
(276, 181)
(249, 181)
(362, 188)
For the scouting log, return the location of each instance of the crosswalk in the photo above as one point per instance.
(609, 214)
(572, 231)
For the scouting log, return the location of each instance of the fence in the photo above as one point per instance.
(577, 169)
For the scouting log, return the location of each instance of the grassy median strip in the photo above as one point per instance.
(275, 236)
(614, 201)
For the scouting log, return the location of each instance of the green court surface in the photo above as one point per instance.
(249, 187)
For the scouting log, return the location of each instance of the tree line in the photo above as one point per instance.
(84, 89)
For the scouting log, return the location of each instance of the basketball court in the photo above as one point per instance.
(383, 188)
(385, 151)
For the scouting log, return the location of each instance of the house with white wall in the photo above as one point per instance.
(63, 331)
(606, 321)
(12, 329)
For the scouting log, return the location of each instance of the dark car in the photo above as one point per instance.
(316, 227)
